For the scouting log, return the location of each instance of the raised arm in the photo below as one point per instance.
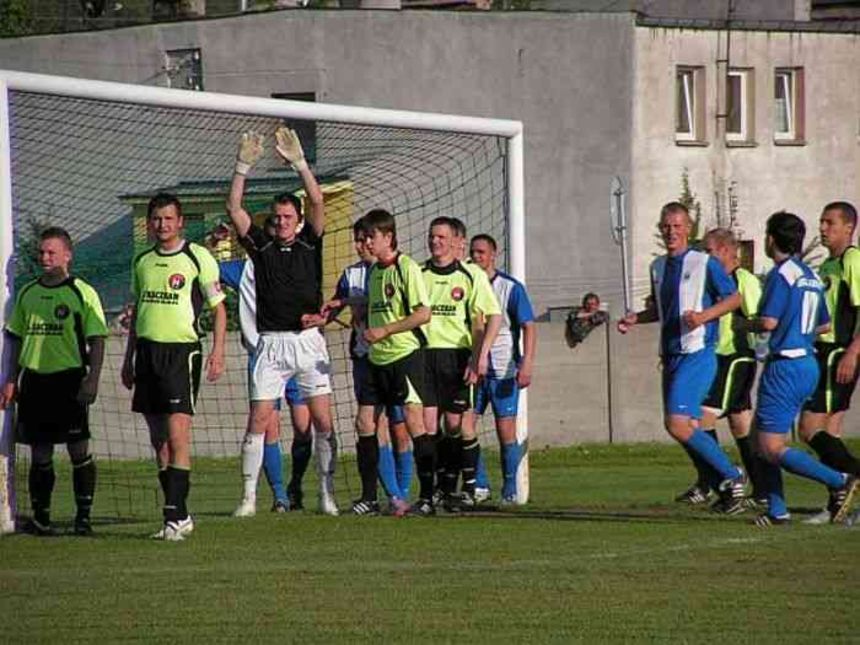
(250, 151)
(290, 149)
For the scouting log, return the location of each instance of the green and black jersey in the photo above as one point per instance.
(732, 341)
(395, 290)
(53, 324)
(170, 290)
(458, 295)
(841, 278)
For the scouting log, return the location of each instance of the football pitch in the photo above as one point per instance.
(601, 554)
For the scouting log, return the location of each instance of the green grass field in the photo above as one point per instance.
(601, 554)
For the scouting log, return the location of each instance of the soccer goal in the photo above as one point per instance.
(88, 155)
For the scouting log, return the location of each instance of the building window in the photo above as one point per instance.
(690, 105)
(739, 106)
(184, 69)
(788, 106)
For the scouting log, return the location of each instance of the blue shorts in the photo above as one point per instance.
(363, 390)
(503, 394)
(785, 385)
(291, 390)
(687, 379)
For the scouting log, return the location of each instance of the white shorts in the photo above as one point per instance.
(281, 356)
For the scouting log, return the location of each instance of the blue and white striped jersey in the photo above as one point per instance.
(239, 276)
(516, 308)
(353, 284)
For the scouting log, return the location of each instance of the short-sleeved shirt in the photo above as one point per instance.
(239, 276)
(691, 281)
(517, 310)
(395, 290)
(53, 323)
(353, 284)
(288, 278)
(841, 278)
(794, 296)
(457, 297)
(170, 290)
(732, 341)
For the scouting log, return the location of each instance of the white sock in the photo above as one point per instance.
(326, 446)
(252, 462)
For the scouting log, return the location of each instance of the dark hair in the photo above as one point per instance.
(442, 221)
(163, 200)
(849, 213)
(486, 238)
(56, 233)
(672, 208)
(360, 229)
(288, 198)
(588, 296)
(458, 226)
(787, 231)
(381, 220)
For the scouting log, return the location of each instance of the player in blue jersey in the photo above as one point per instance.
(265, 450)
(689, 293)
(793, 311)
(509, 369)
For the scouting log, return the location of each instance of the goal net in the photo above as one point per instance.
(87, 156)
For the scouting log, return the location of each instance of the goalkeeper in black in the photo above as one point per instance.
(56, 333)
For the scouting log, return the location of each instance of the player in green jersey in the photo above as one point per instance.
(838, 349)
(56, 335)
(466, 320)
(171, 282)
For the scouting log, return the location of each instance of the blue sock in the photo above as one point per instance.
(704, 447)
(404, 471)
(705, 475)
(272, 466)
(482, 480)
(387, 472)
(772, 476)
(798, 462)
(512, 453)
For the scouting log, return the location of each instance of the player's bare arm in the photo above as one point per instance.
(249, 152)
(127, 373)
(10, 387)
(846, 370)
(694, 319)
(290, 150)
(215, 361)
(524, 372)
(647, 315)
(420, 316)
(90, 383)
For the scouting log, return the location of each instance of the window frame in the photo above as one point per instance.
(746, 109)
(794, 111)
(694, 102)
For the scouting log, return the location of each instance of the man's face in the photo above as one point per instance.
(592, 305)
(54, 256)
(835, 231)
(362, 248)
(675, 229)
(440, 241)
(725, 254)
(166, 224)
(285, 222)
(459, 245)
(377, 243)
(483, 255)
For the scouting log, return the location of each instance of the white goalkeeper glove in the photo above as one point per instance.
(290, 148)
(250, 151)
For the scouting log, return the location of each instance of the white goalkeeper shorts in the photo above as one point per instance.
(281, 356)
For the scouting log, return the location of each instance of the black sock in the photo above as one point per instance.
(471, 450)
(175, 508)
(451, 468)
(41, 482)
(752, 464)
(834, 453)
(424, 449)
(300, 451)
(84, 485)
(367, 455)
(444, 456)
(162, 480)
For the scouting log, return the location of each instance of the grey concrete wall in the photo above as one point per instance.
(568, 77)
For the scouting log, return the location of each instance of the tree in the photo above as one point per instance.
(690, 201)
(16, 18)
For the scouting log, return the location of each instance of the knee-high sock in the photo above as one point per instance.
(512, 453)
(404, 471)
(273, 465)
(300, 451)
(388, 472)
(162, 481)
(425, 458)
(482, 478)
(252, 461)
(798, 462)
(470, 451)
(710, 452)
(178, 485)
(706, 476)
(834, 453)
(326, 447)
(84, 484)
(771, 476)
(447, 461)
(753, 464)
(41, 481)
(367, 455)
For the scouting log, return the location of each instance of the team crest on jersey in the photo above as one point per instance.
(176, 281)
(389, 290)
(61, 312)
(686, 276)
(457, 293)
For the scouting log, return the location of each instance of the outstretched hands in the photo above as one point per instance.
(250, 151)
(288, 146)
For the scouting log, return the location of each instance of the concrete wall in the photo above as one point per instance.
(768, 177)
(568, 77)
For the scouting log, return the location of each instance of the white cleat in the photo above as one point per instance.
(482, 494)
(327, 505)
(821, 517)
(247, 508)
(183, 527)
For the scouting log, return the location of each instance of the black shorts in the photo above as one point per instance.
(48, 408)
(830, 396)
(166, 377)
(730, 391)
(443, 380)
(398, 383)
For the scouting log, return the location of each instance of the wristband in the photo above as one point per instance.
(299, 165)
(242, 168)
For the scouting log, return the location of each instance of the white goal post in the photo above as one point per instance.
(511, 132)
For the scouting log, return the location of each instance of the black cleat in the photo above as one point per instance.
(423, 508)
(764, 520)
(694, 495)
(83, 527)
(40, 528)
(365, 507)
(294, 497)
(841, 498)
(281, 506)
(732, 496)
